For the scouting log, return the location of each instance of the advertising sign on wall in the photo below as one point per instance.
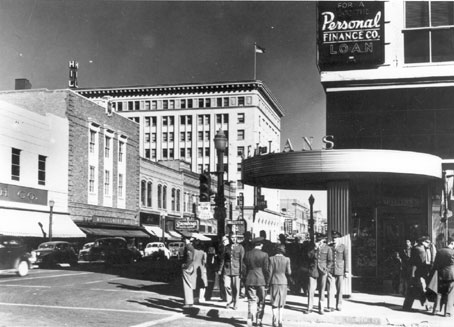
(350, 34)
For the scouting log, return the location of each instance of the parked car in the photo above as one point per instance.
(56, 252)
(176, 249)
(14, 256)
(85, 253)
(113, 250)
(155, 249)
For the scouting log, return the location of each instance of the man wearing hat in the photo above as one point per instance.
(420, 261)
(338, 272)
(320, 263)
(256, 272)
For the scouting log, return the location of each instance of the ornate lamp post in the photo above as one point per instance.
(311, 218)
(220, 143)
(51, 205)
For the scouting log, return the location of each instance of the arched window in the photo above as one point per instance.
(164, 197)
(149, 193)
(159, 196)
(143, 192)
(178, 200)
(173, 199)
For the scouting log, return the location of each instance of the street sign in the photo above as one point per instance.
(204, 211)
(189, 225)
(237, 226)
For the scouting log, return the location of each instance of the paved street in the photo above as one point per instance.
(150, 294)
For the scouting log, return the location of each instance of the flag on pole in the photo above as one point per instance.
(259, 49)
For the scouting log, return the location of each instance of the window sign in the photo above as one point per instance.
(350, 34)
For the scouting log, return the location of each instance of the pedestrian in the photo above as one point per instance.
(256, 263)
(199, 262)
(280, 269)
(189, 274)
(222, 248)
(247, 246)
(420, 269)
(320, 258)
(268, 247)
(394, 265)
(212, 267)
(405, 255)
(230, 268)
(339, 271)
(444, 266)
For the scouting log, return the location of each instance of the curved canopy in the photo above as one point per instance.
(314, 169)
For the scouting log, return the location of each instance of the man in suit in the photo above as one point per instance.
(420, 261)
(444, 265)
(320, 263)
(256, 264)
(338, 272)
(230, 268)
(189, 274)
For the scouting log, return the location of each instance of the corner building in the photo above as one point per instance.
(397, 94)
(179, 122)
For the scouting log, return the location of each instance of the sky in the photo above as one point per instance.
(127, 43)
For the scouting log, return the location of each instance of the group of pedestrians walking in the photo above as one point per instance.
(260, 267)
(431, 277)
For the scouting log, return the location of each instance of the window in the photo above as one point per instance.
(147, 153)
(143, 192)
(200, 152)
(429, 31)
(182, 120)
(171, 154)
(165, 104)
(189, 103)
(159, 196)
(240, 151)
(164, 153)
(120, 185)
(207, 135)
(121, 150)
(200, 136)
(153, 137)
(130, 105)
(238, 167)
(92, 141)
(178, 200)
(106, 182)
(153, 121)
(207, 102)
(183, 104)
(188, 136)
(147, 121)
(240, 118)
(239, 184)
(207, 152)
(120, 106)
(240, 101)
(153, 154)
(164, 137)
(200, 119)
(226, 102)
(201, 103)
(107, 147)
(164, 197)
(240, 135)
(189, 120)
(171, 137)
(173, 199)
(15, 164)
(182, 152)
(136, 105)
(147, 105)
(154, 105)
(149, 193)
(219, 119)
(164, 121)
(147, 137)
(199, 168)
(219, 102)
(91, 181)
(41, 170)
(189, 153)
(172, 104)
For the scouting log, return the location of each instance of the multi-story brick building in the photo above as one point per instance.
(57, 145)
(179, 122)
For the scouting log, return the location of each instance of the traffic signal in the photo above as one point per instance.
(205, 187)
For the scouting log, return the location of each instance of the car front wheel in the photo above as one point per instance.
(22, 268)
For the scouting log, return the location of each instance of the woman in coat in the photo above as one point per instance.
(279, 270)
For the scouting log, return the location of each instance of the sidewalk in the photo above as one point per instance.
(361, 309)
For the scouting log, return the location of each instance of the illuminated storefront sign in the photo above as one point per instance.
(350, 33)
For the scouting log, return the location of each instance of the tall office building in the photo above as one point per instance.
(180, 122)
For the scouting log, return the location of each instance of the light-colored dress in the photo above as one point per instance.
(279, 270)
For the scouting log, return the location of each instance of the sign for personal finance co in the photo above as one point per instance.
(350, 33)
(189, 225)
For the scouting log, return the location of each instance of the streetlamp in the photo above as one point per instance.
(311, 218)
(51, 205)
(220, 143)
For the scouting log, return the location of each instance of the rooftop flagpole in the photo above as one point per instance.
(257, 49)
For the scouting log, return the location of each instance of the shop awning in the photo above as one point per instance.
(33, 224)
(156, 231)
(174, 235)
(114, 232)
(195, 235)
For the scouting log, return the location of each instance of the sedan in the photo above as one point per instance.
(14, 256)
(53, 253)
(157, 248)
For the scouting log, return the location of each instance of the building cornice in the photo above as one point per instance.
(187, 89)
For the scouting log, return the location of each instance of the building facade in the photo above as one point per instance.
(179, 122)
(59, 148)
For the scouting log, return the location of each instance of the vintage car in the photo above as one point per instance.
(85, 254)
(14, 256)
(113, 250)
(49, 254)
(156, 249)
